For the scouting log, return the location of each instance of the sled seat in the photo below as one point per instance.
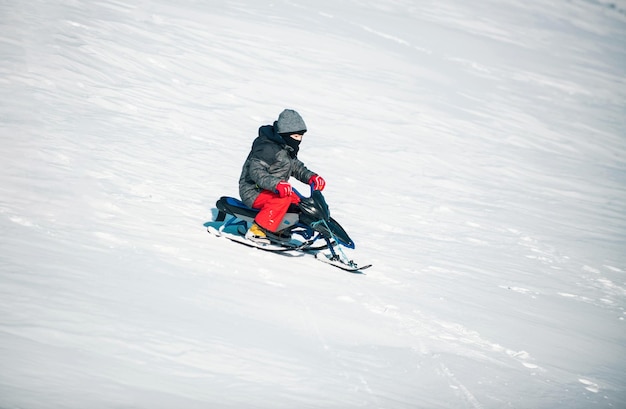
(235, 207)
(230, 205)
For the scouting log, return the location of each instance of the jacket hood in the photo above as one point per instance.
(269, 132)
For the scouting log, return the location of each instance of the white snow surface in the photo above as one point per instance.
(474, 150)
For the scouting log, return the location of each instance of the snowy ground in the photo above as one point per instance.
(475, 151)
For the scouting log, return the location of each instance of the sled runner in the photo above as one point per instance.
(306, 228)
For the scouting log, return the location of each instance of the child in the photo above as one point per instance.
(264, 182)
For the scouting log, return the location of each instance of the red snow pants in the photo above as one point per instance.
(273, 209)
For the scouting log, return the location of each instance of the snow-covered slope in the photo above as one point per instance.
(475, 151)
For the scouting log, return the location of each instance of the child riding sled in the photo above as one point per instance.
(264, 182)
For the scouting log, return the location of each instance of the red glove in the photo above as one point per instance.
(318, 182)
(284, 189)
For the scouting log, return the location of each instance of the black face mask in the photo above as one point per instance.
(294, 144)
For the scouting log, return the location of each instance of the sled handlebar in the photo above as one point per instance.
(300, 195)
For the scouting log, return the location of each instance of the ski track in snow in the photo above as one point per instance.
(475, 152)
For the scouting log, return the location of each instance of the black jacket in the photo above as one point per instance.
(269, 162)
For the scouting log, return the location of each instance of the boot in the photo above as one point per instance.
(257, 234)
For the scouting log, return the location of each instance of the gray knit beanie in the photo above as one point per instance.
(289, 121)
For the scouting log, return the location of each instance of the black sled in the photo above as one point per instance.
(308, 224)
